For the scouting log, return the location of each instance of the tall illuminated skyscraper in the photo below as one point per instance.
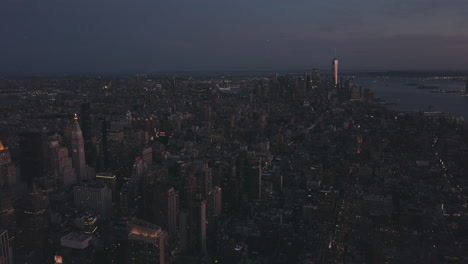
(335, 71)
(78, 152)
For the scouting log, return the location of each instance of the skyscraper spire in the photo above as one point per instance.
(78, 154)
(335, 70)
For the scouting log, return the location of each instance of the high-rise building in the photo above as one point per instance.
(356, 92)
(214, 209)
(6, 254)
(335, 71)
(32, 211)
(253, 181)
(105, 145)
(7, 168)
(173, 211)
(78, 152)
(147, 156)
(184, 230)
(61, 165)
(163, 207)
(97, 199)
(146, 243)
(7, 211)
(315, 78)
(198, 226)
(32, 156)
(86, 128)
(108, 179)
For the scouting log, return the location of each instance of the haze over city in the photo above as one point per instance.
(184, 35)
(233, 132)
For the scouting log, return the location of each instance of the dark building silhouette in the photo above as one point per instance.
(86, 128)
(32, 156)
(105, 148)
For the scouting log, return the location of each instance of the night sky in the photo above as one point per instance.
(229, 35)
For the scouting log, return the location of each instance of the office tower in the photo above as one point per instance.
(78, 152)
(7, 168)
(335, 71)
(205, 180)
(97, 199)
(75, 249)
(86, 128)
(315, 78)
(61, 165)
(7, 211)
(253, 180)
(184, 230)
(105, 144)
(33, 219)
(163, 208)
(147, 155)
(109, 179)
(173, 211)
(173, 83)
(356, 92)
(213, 209)
(207, 115)
(6, 254)
(218, 201)
(137, 169)
(146, 243)
(198, 226)
(31, 156)
(306, 80)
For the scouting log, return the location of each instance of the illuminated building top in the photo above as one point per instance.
(144, 231)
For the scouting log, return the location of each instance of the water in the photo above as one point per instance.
(408, 98)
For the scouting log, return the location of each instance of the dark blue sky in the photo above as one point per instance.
(187, 35)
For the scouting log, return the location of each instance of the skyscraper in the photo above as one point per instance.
(315, 78)
(198, 226)
(173, 211)
(78, 154)
(96, 198)
(32, 156)
(60, 165)
(146, 243)
(6, 255)
(105, 148)
(335, 71)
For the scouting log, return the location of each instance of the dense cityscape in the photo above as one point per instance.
(309, 168)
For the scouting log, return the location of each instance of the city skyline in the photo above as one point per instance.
(152, 36)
